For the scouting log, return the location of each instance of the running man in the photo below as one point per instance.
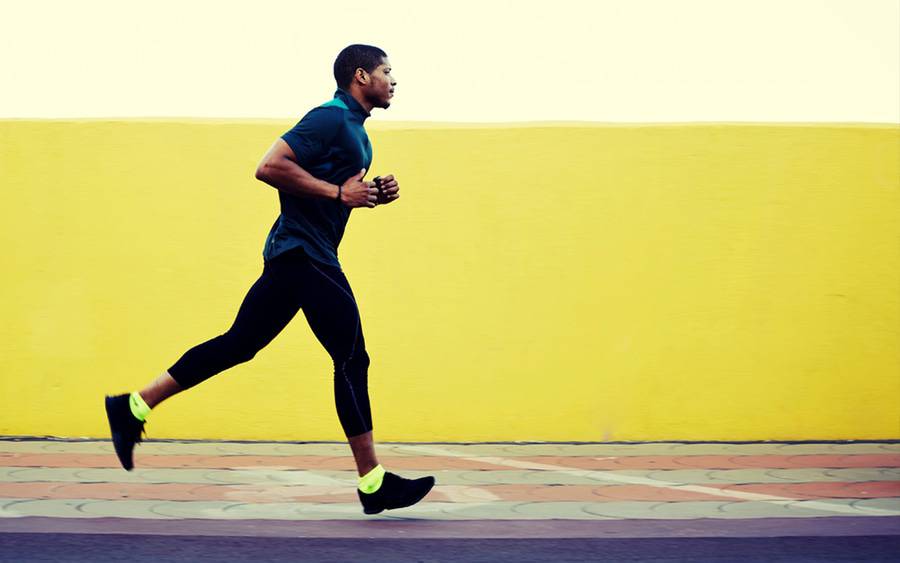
(318, 169)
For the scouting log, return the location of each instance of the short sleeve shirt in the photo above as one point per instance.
(330, 143)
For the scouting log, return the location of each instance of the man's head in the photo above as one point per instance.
(366, 69)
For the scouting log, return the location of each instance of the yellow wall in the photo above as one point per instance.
(546, 282)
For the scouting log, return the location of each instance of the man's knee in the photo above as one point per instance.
(355, 367)
(241, 349)
(245, 355)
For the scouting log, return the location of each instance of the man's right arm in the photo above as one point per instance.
(280, 170)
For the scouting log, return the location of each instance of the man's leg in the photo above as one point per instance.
(160, 389)
(333, 316)
(363, 448)
(267, 308)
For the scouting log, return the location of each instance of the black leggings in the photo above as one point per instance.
(289, 282)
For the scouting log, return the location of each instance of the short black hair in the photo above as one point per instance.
(353, 57)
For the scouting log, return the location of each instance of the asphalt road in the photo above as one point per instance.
(28, 547)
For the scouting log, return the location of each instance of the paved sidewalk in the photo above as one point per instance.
(484, 491)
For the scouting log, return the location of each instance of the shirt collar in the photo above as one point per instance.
(352, 104)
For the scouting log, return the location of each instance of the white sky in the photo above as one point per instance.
(472, 61)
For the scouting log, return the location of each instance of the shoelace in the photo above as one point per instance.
(143, 432)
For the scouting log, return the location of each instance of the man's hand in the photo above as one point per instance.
(388, 189)
(357, 193)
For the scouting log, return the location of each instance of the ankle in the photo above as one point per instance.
(364, 469)
(363, 448)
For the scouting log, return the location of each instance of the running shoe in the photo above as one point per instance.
(124, 427)
(395, 492)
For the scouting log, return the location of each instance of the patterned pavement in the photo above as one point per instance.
(625, 490)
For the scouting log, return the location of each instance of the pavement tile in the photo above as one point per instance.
(553, 510)
(49, 446)
(57, 508)
(846, 460)
(197, 476)
(276, 511)
(602, 493)
(870, 489)
(691, 510)
(275, 476)
(769, 475)
(234, 448)
(345, 463)
(614, 463)
(863, 474)
(30, 490)
(448, 477)
(870, 507)
(798, 475)
(649, 493)
(9, 459)
(863, 448)
(685, 476)
(880, 503)
(332, 494)
(279, 493)
(261, 493)
(812, 449)
(128, 509)
(227, 510)
(653, 510)
(758, 509)
(578, 477)
(503, 510)
(723, 449)
(530, 450)
(491, 511)
(836, 461)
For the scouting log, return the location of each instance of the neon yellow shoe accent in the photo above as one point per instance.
(371, 481)
(139, 408)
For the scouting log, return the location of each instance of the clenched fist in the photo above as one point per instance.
(387, 189)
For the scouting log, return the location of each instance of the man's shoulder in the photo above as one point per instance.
(334, 103)
(327, 114)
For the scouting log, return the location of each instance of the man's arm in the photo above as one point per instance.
(280, 170)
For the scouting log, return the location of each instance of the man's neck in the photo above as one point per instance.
(357, 95)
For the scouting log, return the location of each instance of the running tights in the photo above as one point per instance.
(290, 282)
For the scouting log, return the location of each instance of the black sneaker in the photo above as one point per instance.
(395, 492)
(124, 427)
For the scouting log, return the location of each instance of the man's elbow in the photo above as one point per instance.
(263, 173)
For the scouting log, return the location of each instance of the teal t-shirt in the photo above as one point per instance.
(330, 143)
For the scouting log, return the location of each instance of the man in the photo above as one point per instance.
(318, 169)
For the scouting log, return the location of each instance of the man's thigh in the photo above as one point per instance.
(331, 311)
(270, 304)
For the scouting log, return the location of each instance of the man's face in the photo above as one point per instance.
(381, 85)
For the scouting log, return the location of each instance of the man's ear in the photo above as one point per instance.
(362, 75)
